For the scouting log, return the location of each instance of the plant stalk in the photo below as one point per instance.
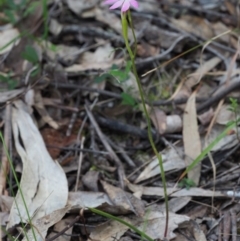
(150, 137)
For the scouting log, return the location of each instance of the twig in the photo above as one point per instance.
(73, 118)
(65, 229)
(112, 154)
(122, 152)
(122, 127)
(73, 148)
(161, 55)
(79, 163)
(234, 224)
(79, 87)
(223, 92)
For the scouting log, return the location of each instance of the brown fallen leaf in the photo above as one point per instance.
(124, 199)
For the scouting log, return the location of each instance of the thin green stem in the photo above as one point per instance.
(150, 137)
(125, 35)
(45, 19)
(133, 33)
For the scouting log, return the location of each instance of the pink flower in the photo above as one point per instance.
(124, 4)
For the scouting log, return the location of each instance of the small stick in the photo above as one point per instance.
(234, 224)
(65, 229)
(79, 163)
(122, 152)
(112, 154)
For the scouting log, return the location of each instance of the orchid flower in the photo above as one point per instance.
(124, 4)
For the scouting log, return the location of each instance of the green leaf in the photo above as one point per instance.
(187, 183)
(116, 73)
(10, 16)
(53, 47)
(30, 54)
(36, 71)
(119, 75)
(31, 8)
(10, 82)
(114, 66)
(101, 78)
(128, 100)
(128, 67)
(11, 4)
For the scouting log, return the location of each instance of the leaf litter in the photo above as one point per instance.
(76, 84)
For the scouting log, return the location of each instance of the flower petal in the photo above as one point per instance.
(125, 6)
(134, 3)
(110, 1)
(117, 4)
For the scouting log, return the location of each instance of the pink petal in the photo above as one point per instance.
(110, 1)
(134, 3)
(125, 6)
(117, 4)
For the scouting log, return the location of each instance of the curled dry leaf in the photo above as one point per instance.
(164, 123)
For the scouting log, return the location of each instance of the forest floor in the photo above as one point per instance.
(74, 132)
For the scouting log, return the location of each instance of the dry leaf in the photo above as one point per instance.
(197, 232)
(124, 199)
(165, 124)
(8, 95)
(195, 25)
(61, 225)
(43, 183)
(102, 59)
(43, 112)
(204, 68)
(225, 115)
(172, 161)
(100, 200)
(152, 224)
(7, 36)
(175, 192)
(79, 6)
(42, 225)
(191, 138)
(109, 231)
(227, 142)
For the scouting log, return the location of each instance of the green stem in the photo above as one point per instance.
(150, 137)
(133, 33)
